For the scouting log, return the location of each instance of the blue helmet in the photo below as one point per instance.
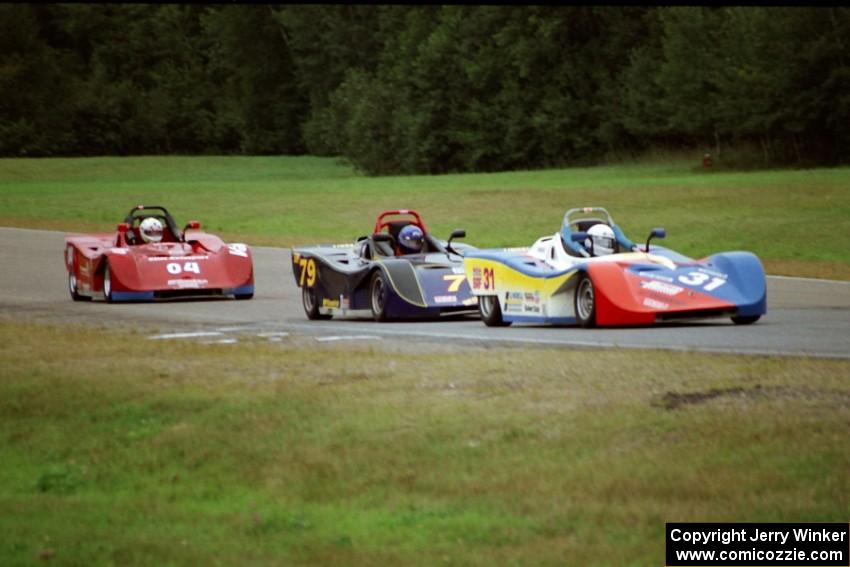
(410, 239)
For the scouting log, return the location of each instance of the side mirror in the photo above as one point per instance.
(382, 237)
(655, 233)
(578, 236)
(193, 224)
(122, 228)
(457, 233)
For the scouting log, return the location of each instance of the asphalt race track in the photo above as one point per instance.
(805, 317)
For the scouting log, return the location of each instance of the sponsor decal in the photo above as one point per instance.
(661, 287)
(476, 278)
(170, 259)
(238, 249)
(119, 251)
(654, 304)
(188, 283)
(530, 308)
(332, 303)
(712, 273)
(649, 274)
(513, 302)
(533, 298)
(470, 301)
(445, 299)
(458, 270)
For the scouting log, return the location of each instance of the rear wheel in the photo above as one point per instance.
(747, 320)
(491, 313)
(310, 301)
(107, 282)
(585, 302)
(379, 294)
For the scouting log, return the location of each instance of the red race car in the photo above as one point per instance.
(149, 257)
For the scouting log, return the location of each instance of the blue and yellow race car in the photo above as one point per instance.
(376, 273)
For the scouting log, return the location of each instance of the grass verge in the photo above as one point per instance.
(120, 450)
(796, 221)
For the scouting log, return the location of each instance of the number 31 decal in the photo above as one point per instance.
(699, 278)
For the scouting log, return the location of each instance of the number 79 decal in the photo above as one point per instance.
(308, 272)
(699, 278)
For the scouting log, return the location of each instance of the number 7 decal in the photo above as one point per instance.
(456, 280)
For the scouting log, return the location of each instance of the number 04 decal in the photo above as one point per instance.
(699, 278)
(175, 268)
(308, 272)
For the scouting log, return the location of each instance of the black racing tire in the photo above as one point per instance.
(310, 301)
(491, 313)
(107, 282)
(379, 296)
(745, 320)
(72, 287)
(585, 302)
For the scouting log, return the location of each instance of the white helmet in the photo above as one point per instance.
(151, 230)
(604, 241)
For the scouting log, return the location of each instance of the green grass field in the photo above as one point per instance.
(117, 450)
(797, 222)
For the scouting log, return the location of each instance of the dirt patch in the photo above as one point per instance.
(677, 400)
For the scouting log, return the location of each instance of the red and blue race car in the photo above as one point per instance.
(561, 279)
(123, 266)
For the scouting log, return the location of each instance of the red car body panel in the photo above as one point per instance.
(626, 299)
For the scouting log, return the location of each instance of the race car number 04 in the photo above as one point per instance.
(308, 271)
(175, 268)
(698, 278)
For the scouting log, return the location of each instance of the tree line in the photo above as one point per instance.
(424, 89)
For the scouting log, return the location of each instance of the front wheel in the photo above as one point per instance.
(491, 313)
(379, 294)
(107, 282)
(310, 301)
(72, 287)
(745, 320)
(585, 302)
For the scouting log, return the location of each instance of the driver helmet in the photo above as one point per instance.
(603, 240)
(151, 230)
(410, 239)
